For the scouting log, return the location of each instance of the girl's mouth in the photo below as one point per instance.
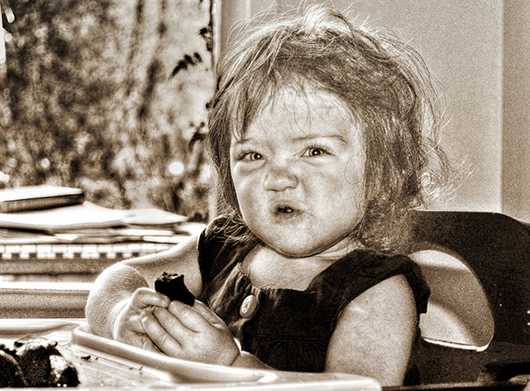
(286, 211)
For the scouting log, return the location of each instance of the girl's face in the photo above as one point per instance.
(298, 174)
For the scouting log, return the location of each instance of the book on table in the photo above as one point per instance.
(28, 198)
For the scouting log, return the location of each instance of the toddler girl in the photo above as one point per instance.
(318, 134)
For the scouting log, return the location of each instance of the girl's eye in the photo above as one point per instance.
(251, 156)
(315, 151)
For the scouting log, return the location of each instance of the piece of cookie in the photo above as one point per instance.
(43, 365)
(10, 372)
(35, 362)
(172, 285)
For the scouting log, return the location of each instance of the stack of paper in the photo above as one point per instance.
(38, 197)
(89, 223)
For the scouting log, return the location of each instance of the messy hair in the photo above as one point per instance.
(381, 80)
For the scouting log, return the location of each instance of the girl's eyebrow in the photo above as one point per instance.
(246, 140)
(315, 136)
(241, 141)
(306, 138)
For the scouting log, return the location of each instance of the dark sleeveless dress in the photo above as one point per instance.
(290, 329)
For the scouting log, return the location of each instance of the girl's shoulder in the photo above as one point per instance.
(375, 332)
(363, 269)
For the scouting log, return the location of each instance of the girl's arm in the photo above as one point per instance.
(123, 306)
(116, 301)
(375, 333)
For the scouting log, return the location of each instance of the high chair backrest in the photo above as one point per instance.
(478, 267)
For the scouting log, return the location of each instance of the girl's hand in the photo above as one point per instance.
(128, 327)
(191, 333)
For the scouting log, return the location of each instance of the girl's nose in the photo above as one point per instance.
(280, 177)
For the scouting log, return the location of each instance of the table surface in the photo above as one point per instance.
(111, 368)
(104, 364)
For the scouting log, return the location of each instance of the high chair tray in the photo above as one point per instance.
(206, 376)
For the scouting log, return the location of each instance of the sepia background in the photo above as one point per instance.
(112, 96)
(109, 96)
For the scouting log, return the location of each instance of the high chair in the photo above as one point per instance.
(477, 325)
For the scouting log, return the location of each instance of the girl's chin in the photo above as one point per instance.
(293, 245)
(292, 249)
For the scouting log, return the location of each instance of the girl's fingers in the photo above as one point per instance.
(147, 344)
(144, 298)
(188, 316)
(207, 313)
(173, 325)
(164, 330)
(139, 339)
(182, 331)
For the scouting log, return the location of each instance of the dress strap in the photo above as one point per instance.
(215, 247)
(209, 244)
(362, 269)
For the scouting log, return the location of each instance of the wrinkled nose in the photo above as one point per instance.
(280, 177)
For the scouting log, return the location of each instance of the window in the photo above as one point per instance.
(110, 97)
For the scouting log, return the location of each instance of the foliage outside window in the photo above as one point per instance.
(110, 96)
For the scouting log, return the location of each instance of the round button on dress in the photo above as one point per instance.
(249, 306)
